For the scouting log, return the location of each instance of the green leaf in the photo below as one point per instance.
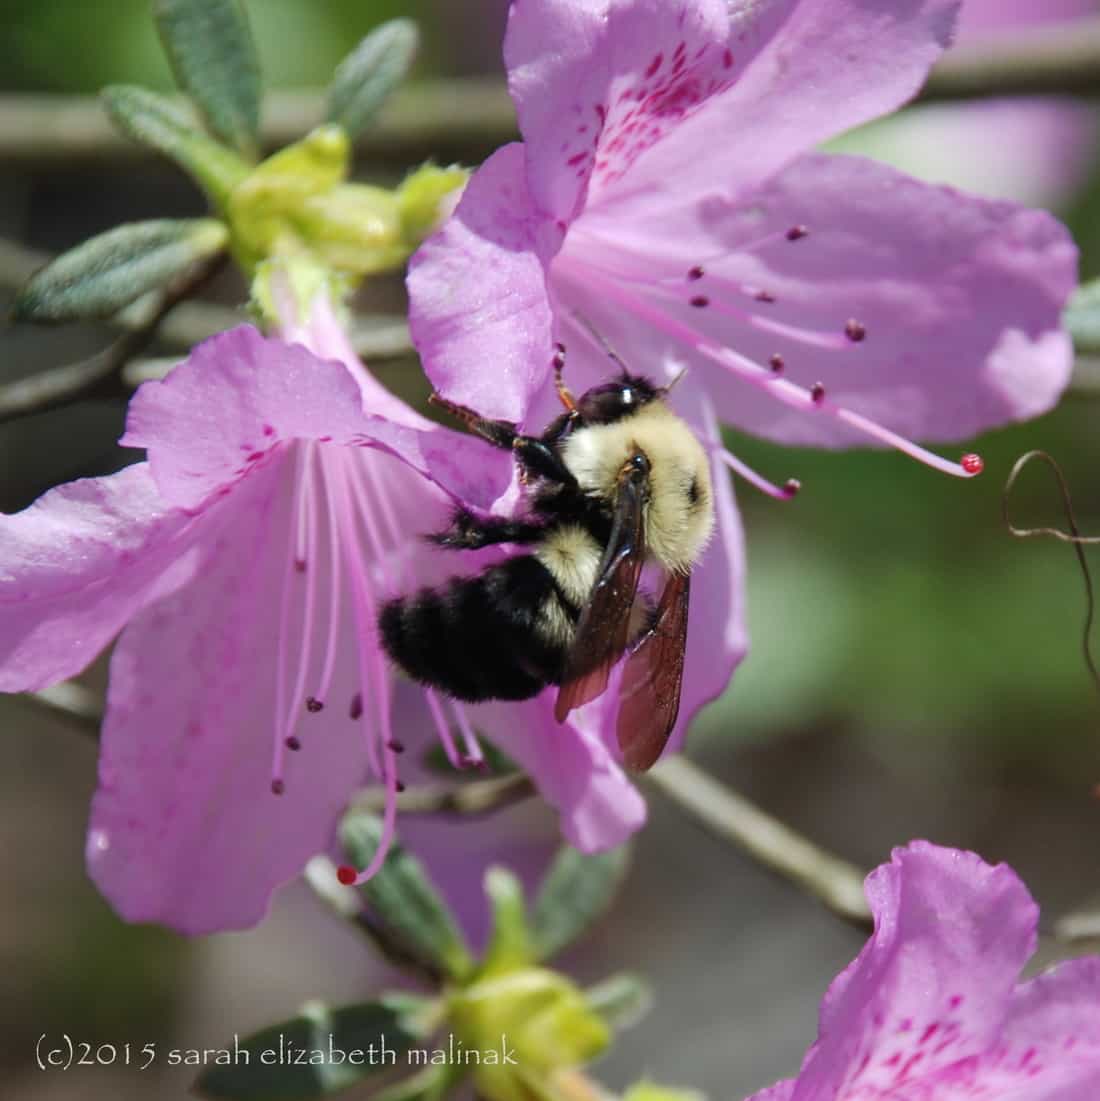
(340, 1046)
(510, 942)
(164, 126)
(405, 900)
(210, 47)
(1082, 318)
(367, 76)
(622, 1000)
(577, 889)
(496, 762)
(101, 276)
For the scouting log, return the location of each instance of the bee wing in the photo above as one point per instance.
(603, 630)
(649, 698)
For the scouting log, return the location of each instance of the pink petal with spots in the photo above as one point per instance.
(781, 1091)
(932, 985)
(597, 83)
(77, 564)
(479, 311)
(239, 396)
(794, 93)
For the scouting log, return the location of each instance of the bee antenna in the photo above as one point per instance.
(664, 390)
(603, 342)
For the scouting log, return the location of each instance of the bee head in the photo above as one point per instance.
(611, 401)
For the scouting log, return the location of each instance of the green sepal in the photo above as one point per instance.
(404, 899)
(210, 47)
(367, 76)
(157, 122)
(576, 890)
(106, 273)
(539, 1014)
(354, 228)
(651, 1091)
(270, 1072)
(510, 946)
(1082, 318)
(266, 205)
(425, 198)
(621, 1000)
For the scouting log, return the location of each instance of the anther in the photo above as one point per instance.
(300, 565)
(277, 787)
(346, 874)
(394, 746)
(817, 393)
(293, 744)
(313, 705)
(764, 296)
(796, 233)
(399, 786)
(791, 487)
(972, 464)
(700, 301)
(777, 364)
(854, 330)
(356, 709)
(696, 274)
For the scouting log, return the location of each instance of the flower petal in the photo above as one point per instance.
(781, 1091)
(478, 308)
(596, 82)
(77, 564)
(793, 94)
(185, 829)
(571, 765)
(960, 299)
(932, 985)
(239, 396)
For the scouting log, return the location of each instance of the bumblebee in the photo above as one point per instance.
(615, 482)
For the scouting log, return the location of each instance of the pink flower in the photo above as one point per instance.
(932, 1009)
(663, 199)
(283, 498)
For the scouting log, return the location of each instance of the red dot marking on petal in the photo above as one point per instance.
(972, 463)
(346, 874)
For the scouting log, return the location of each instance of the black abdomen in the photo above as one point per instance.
(478, 638)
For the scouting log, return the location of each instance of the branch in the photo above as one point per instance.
(446, 120)
(466, 800)
(457, 119)
(101, 374)
(731, 817)
(1053, 60)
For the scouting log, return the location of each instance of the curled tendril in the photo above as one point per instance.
(1073, 536)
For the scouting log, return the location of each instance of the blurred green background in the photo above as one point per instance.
(915, 671)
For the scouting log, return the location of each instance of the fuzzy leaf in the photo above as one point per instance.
(402, 896)
(270, 1072)
(1082, 318)
(210, 47)
(622, 1000)
(576, 890)
(101, 276)
(164, 126)
(367, 76)
(510, 941)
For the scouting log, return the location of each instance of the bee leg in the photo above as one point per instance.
(471, 532)
(536, 456)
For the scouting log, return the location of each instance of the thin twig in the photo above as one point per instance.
(458, 118)
(1052, 60)
(70, 701)
(479, 797)
(1073, 536)
(732, 818)
(101, 374)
